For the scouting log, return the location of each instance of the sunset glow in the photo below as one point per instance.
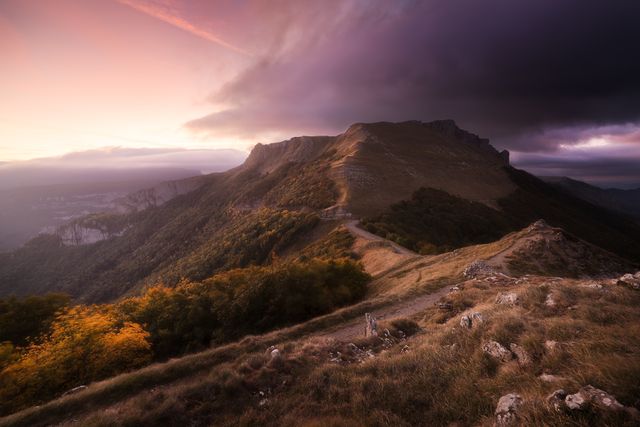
(80, 75)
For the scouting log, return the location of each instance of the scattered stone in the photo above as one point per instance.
(551, 345)
(405, 349)
(75, 390)
(576, 402)
(523, 357)
(507, 409)
(589, 395)
(477, 268)
(371, 326)
(275, 354)
(465, 321)
(497, 351)
(550, 301)
(454, 289)
(550, 378)
(476, 319)
(509, 298)
(556, 400)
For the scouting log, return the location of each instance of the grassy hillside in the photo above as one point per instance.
(436, 374)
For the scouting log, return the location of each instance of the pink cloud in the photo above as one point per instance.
(167, 12)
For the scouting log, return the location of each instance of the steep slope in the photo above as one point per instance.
(624, 201)
(258, 211)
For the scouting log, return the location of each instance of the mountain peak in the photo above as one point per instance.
(374, 165)
(444, 127)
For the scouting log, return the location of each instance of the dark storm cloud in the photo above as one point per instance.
(502, 68)
(533, 76)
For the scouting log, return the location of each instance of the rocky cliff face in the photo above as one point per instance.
(303, 149)
(75, 234)
(158, 195)
(91, 229)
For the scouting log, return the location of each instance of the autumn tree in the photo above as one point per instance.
(85, 344)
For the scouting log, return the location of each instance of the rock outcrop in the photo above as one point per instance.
(589, 395)
(507, 409)
(91, 229)
(497, 351)
(631, 281)
(157, 195)
(507, 298)
(477, 269)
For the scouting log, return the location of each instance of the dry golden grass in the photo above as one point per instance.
(439, 376)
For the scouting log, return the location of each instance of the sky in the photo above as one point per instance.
(553, 81)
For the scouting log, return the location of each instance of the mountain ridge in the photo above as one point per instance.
(252, 213)
(624, 201)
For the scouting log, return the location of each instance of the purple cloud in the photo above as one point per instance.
(531, 76)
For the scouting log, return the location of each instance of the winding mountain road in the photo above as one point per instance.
(406, 307)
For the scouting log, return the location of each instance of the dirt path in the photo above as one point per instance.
(406, 308)
(353, 228)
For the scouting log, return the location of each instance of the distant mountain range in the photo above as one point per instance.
(625, 201)
(40, 195)
(430, 186)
